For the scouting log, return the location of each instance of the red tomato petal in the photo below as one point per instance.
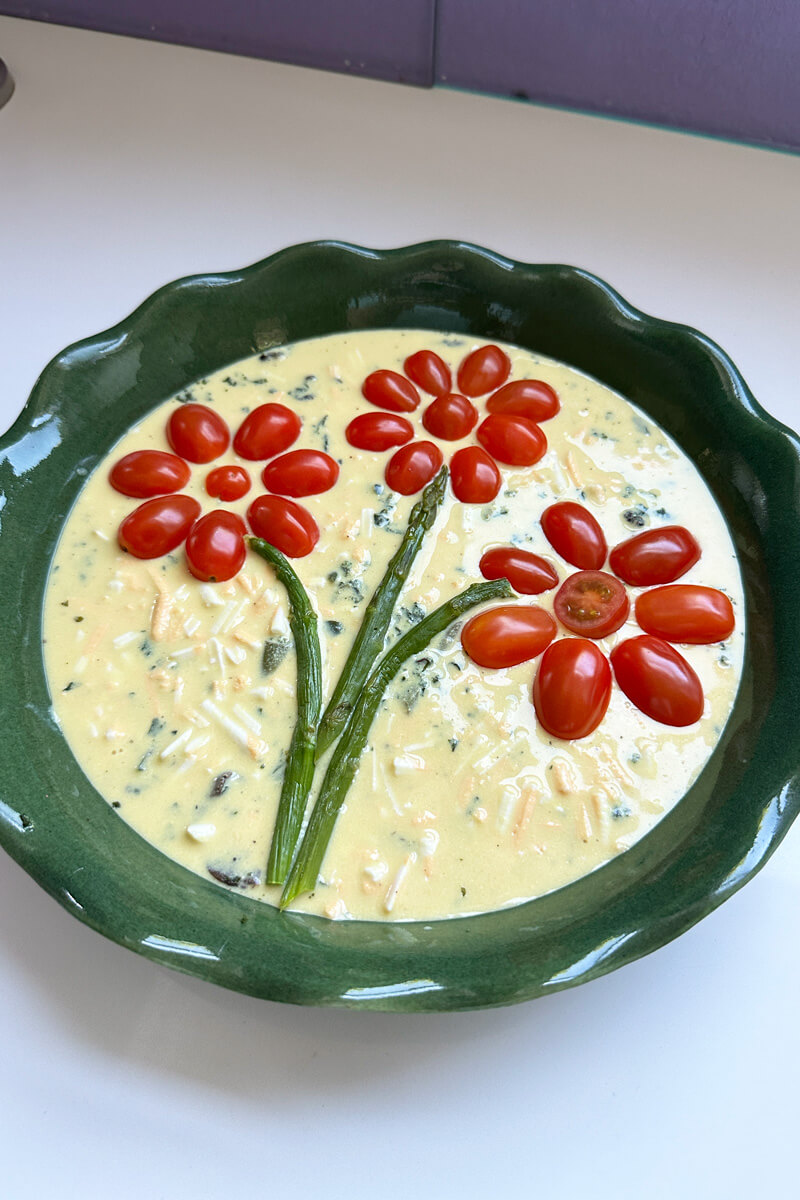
(379, 431)
(574, 533)
(508, 635)
(267, 430)
(655, 556)
(197, 433)
(301, 473)
(429, 372)
(149, 473)
(527, 573)
(474, 476)
(658, 680)
(530, 398)
(413, 466)
(215, 547)
(387, 389)
(685, 612)
(287, 526)
(572, 688)
(512, 440)
(158, 526)
(483, 370)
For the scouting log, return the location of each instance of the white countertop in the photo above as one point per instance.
(125, 164)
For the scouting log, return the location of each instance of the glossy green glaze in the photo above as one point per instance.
(61, 831)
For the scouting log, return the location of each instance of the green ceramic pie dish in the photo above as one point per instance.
(63, 833)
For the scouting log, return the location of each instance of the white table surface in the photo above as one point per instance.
(125, 164)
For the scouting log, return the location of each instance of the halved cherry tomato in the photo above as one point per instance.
(508, 635)
(572, 688)
(450, 417)
(387, 389)
(574, 533)
(301, 473)
(379, 431)
(655, 556)
(149, 473)
(474, 476)
(215, 547)
(158, 526)
(428, 372)
(658, 680)
(686, 612)
(483, 370)
(228, 483)
(592, 603)
(530, 398)
(267, 430)
(412, 466)
(197, 433)
(287, 526)
(526, 572)
(512, 439)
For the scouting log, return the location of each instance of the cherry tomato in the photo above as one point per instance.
(572, 688)
(658, 680)
(474, 476)
(228, 483)
(158, 526)
(592, 603)
(197, 433)
(574, 533)
(387, 389)
(215, 547)
(526, 572)
(267, 430)
(508, 635)
(287, 526)
(428, 372)
(483, 370)
(530, 398)
(450, 417)
(655, 556)
(379, 431)
(149, 473)
(412, 466)
(301, 473)
(512, 439)
(685, 612)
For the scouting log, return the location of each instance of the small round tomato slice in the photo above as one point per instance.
(287, 526)
(527, 573)
(379, 431)
(301, 473)
(228, 483)
(389, 390)
(592, 603)
(658, 680)
(450, 417)
(686, 612)
(429, 372)
(530, 398)
(655, 556)
(149, 473)
(474, 476)
(267, 430)
(512, 439)
(197, 433)
(508, 635)
(215, 547)
(574, 533)
(412, 466)
(572, 688)
(483, 370)
(158, 526)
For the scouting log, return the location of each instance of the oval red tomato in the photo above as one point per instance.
(267, 430)
(512, 440)
(429, 372)
(215, 547)
(388, 389)
(685, 612)
(508, 635)
(158, 526)
(530, 398)
(379, 431)
(474, 476)
(412, 466)
(527, 573)
(197, 433)
(592, 603)
(301, 473)
(655, 556)
(572, 688)
(228, 483)
(450, 417)
(287, 526)
(149, 473)
(574, 533)
(483, 370)
(658, 680)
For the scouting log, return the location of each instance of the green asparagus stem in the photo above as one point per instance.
(369, 640)
(299, 773)
(347, 753)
